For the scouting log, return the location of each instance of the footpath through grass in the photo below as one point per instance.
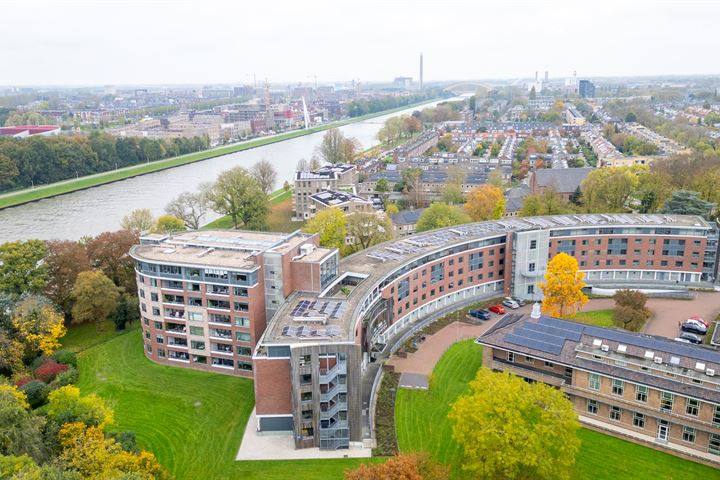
(67, 186)
(193, 421)
(422, 425)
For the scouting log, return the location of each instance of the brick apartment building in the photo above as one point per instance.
(329, 177)
(650, 390)
(315, 324)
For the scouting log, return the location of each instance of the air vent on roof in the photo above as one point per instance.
(206, 251)
(169, 251)
(710, 372)
(597, 342)
(649, 354)
(622, 348)
(699, 366)
(674, 361)
(605, 348)
(658, 360)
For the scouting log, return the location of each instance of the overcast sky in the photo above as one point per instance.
(91, 42)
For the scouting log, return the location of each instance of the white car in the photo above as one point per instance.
(510, 303)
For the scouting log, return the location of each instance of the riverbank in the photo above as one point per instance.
(68, 186)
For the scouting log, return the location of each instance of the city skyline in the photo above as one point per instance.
(124, 43)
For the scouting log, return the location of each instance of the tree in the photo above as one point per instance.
(140, 221)
(264, 173)
(684, 202)
(66, 405)
(485, 202)
(189, 207)
(315, 163)
(331, 224)
(168, 224)
(607, 190)
(302, 165)
(123, 312)
(630, 117)
(38, 326)
(382, 185)
(336, 149)
(109, 252)
(391, 209)
(452, 190)
(440, 215)
(412, 179)
(563, 285)
(368, 229)
(8, 172)
(508, 428)
(237, 194)
(22, 269)
(545, 202)
(20, 430)
(404, 466)
(12, 353)
(630, 310)
(64, 260)
(96, 297)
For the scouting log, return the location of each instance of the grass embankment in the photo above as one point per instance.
(598, 318)
(279, 218)
(422, 425)
(193, 421)
(67, 186)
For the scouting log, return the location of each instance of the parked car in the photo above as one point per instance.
(482, 314)
(693, 326)
(519, 301)
(699, 319)
(510, 303)
(497, 309)
(690, 337)
(682, 340)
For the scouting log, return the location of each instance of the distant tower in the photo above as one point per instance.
(546, 76)
(536, 76)
(421, 71)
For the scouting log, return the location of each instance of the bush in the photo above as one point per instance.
(68, 377)
(37, 392)
(127, 440)
(49, 370)
(630, 311)
(22, 380)
(67, 357)
(385, 416)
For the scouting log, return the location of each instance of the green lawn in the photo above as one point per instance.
(279, 218)
(421, 424)
(67, 186)
(599, 318)
(81, 337)
(193, 421)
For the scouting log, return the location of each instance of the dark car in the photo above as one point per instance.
(693, 327)
(690, 337)
(497, 309)
(482, 314)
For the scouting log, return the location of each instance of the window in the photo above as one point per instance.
(199, 359)
(666, 401)
(529, 360)
(197, 345)
(618, 387)
(594, 381)
(716, 416)
(223, 362)
(592, 407)
(306, 397)
(714, 444)
(158, 326)
(156, 311)
(197, 331)
(511, 357)
(533, 244)
(305, 378)
(615, 413)
(154, 297)
(159, 339)
(531, 289)
(692, 407)
(549, 364)
(531, 267)
(641, 393)
(688, 434)
(638, 420)
(242, 321)
(437, 273)
(141, 293)
(161, 352)
(244, 351)
(242, 336)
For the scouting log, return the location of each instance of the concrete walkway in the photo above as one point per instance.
(282, 447)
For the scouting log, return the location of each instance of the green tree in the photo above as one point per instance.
(412, 181)
(684, 202)
(331, 224)
(382, 185)
(140, 220)
(22, 269)
(8, 173)
(237, 194)
(546, 202)
(607, 190)
(441, 215)
(631, 117)
(168, 224)
(189, 207)
(510, 429)
(96, 297)
(368, 229)
(20, 430)
(335, 148)
(124, 312)
(452, 190)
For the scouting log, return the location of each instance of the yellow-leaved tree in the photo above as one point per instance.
(331, 224)
(485, 202)
(39, 326)
(562, 289)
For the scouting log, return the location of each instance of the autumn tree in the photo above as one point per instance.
(630, 310)
(22, 269)
(38, 326)
(331, 224)
(452, 190)
(189, 207)
(607, 190)
(12, 353)
(391, 209)
(237, 194)
(510, 429)
(140, 220)
(403, 466)
(264, 173)
(110, 252)
(368, 229)
(64, 260)
(562, 289)
(440, 215)
(485, 202)
(336, 149)
(412, 179)
(95, 297)
(545, 202)
(66, 405)
(168, 224)
(20, 430)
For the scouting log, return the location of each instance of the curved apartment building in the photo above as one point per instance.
(307, 327)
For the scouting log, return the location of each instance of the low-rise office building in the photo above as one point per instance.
(329, 177)
(650, 390)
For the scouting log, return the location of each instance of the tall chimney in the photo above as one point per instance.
(536, 76)
(421, 71)
(546, 76)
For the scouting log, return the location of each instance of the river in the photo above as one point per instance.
(100, 209)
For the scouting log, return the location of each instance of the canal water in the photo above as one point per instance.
(100, 209)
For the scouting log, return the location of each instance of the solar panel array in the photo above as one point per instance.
(547, 335)
(305, 331)
(399, 249)
(317, 308)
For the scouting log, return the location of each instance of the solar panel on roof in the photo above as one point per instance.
(550, 330)
(534, 344)
(573, 327)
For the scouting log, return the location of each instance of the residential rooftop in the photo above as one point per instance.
(333, 198)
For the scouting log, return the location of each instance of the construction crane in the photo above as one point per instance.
(306, 115)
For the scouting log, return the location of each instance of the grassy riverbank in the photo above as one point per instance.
(279, 219)
(68, 186)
